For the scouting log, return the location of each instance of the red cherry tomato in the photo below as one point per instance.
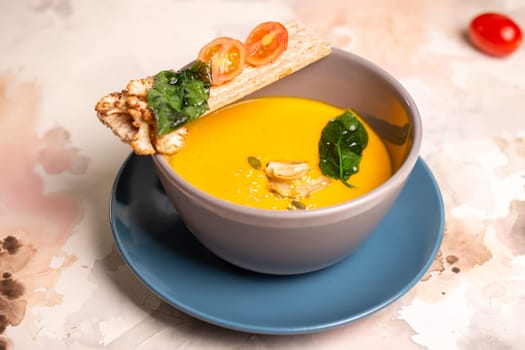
(266, 43)
(226, 56)
(495, 34)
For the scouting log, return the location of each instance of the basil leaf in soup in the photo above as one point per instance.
(342, 142)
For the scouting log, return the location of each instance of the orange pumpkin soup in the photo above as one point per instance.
(264, 153)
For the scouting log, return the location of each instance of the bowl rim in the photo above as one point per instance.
(356, 204)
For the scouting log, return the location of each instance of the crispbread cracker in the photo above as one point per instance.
(304, 47)
(127, 115)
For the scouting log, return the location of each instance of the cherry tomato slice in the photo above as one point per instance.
(265, 43)
(495, 34)
(226, 56)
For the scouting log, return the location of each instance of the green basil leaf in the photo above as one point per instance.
(202, 71)
(194, 112)
(195, 93)
(175, 101)
(179, 97)
(342, 142)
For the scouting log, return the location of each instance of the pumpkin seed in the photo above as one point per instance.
(254, 162)
(298, 205)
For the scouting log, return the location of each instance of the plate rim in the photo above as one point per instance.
(267, 329)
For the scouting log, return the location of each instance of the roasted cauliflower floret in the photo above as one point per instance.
(127, 114)
(140, 87)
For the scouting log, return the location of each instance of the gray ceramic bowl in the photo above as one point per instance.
(289, 242)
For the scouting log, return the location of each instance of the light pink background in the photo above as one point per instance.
(57, 164)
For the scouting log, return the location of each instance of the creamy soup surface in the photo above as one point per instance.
(215, 157)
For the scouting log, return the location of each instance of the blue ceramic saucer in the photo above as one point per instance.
(168, 259)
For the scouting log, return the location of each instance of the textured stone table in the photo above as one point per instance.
(64, 284)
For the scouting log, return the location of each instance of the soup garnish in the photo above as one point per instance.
(151, 113)
(342, 143)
